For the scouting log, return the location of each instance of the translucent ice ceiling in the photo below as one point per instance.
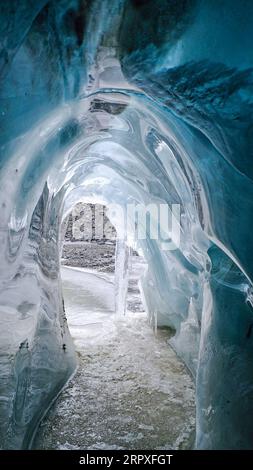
(125, 101)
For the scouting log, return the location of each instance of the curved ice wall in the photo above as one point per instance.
(129, 101)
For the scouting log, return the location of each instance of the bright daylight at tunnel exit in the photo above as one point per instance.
(126, 208)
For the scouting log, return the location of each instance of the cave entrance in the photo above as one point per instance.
(88, 273)
(89, 238)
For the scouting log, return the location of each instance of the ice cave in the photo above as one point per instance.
(122, 102)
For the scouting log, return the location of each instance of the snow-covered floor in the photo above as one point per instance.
(130, 390)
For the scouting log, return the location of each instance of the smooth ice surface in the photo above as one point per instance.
(89, 299)
(92, 113)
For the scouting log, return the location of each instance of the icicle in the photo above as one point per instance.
(122, 256)
(155, 323)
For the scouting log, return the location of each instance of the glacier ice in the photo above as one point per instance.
(91, 113)
(122, 255)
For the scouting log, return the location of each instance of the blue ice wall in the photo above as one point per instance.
(129, 101)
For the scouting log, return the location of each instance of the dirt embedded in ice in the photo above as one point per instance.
(130, 390)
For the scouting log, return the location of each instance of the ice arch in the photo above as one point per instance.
(161, 114)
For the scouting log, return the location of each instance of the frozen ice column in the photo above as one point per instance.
(122, 256)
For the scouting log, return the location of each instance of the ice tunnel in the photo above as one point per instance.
(129, 101)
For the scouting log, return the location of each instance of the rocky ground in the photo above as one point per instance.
(91, 255)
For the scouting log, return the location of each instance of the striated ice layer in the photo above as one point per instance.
(163, 115)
